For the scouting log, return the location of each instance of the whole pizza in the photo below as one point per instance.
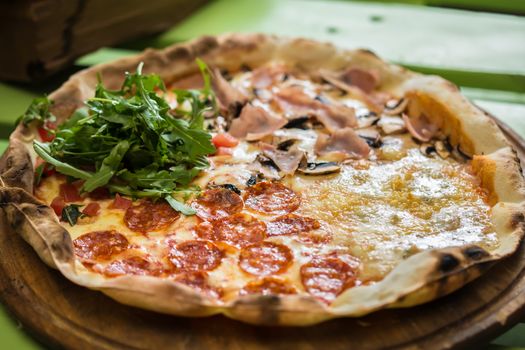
(273, 180)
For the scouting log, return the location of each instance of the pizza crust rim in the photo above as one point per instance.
(423, 277)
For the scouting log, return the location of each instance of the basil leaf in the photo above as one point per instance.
(71, 214)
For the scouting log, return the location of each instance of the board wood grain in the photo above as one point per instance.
(62, 314)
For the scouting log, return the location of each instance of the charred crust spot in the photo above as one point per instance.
(518, 220)
(269, 305)
(475, 253)
(448, 263)
(205, 45)
(180, 52)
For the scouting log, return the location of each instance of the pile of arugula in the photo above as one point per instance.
(131, 141)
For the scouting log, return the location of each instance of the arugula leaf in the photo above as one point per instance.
(131, 141)
(37, 110)
(38, 173)
(71, 214)
(109, 166)
(43, 151)
(179, 206)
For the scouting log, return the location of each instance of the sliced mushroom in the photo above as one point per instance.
(441, 149)
(427, 149)
(391, 125)
(371, 136)
(463, 154)
(366, 119)
(322, 168)
(299, 123)
(286, 144)
(395, 107)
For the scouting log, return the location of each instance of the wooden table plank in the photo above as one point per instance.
(413, 35)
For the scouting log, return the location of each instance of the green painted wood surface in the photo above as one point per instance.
(488, 63)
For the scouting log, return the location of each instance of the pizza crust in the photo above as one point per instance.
(424, 276)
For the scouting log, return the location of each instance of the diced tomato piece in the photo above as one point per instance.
(69, 192)
(224, 140)
(91, 209)
(100, 193)
(224, 151)
(58, 204)
(50, 125)
(121, 202)
(78, 183)
(46, 135)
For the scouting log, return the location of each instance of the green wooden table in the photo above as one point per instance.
(482, 52)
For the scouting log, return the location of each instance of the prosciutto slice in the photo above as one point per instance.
(266, 76)
(286, 161)
(420, 128)
(293, 100)
(344, 141)
(353, 91)
(255, 123)
(230, 99)
(365, 80)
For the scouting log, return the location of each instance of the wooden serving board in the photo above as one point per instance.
(62, 314)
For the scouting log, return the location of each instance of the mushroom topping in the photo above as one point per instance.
(395, 107)
(230, 99)
(391, 125)
(286, 144)
(286, 161)
(459, 154)
(427, 149)
(367, 119)
(265, 168)
(345, 142)
(420, 128)
(441, 149)
(299, 123)
(322, 168)
(371, 136)
(255, 123)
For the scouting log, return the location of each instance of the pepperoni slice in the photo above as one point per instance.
(291, 224)
(69, 192)
(268, 286)
(327, 277)
(199, 280)
(238, 230)
(217, 203)
(100, 245)
(134, 265)
(150, 216)
(265, 258)
(271, 198)
(195, 256)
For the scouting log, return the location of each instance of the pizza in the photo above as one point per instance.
(273, 180)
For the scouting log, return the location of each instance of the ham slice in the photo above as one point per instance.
(353, 91)
(230, 99)
(286, 161)
(266, 76)
(420, 128)
(366, 80)
(295, 101)
(344, 141)
(255, 123)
